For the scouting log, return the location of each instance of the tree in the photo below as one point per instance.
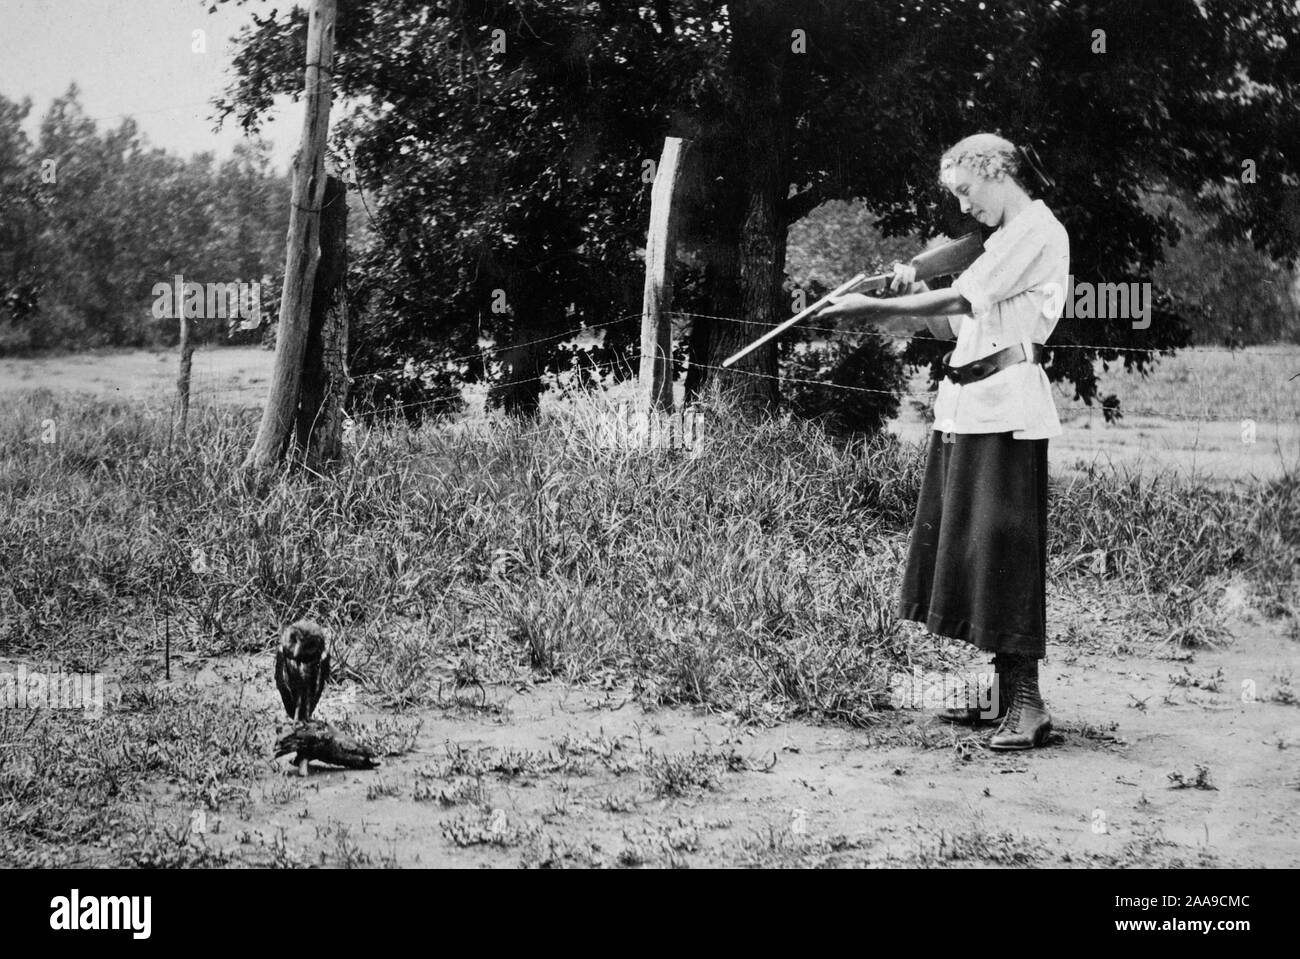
(20, 276)
(1231, 292)
(504, 142)
(93, 220)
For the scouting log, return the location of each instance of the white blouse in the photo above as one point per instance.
(1016, 290)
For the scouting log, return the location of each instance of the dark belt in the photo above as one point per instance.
(986, 366)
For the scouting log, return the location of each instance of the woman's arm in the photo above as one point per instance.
(904, 313)
(940, 327)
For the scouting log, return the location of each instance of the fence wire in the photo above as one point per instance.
(595, 372)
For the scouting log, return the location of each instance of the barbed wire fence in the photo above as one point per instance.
(1281, 407)
(1270, 404)
(1275, 395)
(1258, 412)
(208, 375)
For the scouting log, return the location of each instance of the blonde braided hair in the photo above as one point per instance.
(984, 154)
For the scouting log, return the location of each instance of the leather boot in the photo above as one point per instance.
(973, 716)
(1028, 722)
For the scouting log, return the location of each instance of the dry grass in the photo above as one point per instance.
(758, 573)
(1254, 382)
(757, 576)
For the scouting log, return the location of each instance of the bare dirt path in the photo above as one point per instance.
(554, 774)
(583, 776)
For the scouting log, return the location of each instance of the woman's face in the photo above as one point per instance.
(982, 198)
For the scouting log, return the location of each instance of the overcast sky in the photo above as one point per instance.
(135, 57)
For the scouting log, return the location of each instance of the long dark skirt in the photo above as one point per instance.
(977, 560)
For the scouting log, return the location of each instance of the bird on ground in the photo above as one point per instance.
(302, 668)
(318, 740)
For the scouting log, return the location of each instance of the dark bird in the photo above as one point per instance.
(302, 667)
(316, 739)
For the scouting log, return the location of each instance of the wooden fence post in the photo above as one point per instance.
(183, 378)
(655, 377)
(303, 250)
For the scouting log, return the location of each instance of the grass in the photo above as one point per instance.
(979, 846)
(1254, 382)
(749, 574)
(488, 827)
(1200, 780)
(1170, 539)
(757, 576)
(74, 790)
(682, 774)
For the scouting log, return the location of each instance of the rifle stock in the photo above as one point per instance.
(952, 257)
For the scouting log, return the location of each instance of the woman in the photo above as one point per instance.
(976, 564)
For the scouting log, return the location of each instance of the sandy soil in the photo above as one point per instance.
(556, 775)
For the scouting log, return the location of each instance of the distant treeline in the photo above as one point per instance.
(91, 222)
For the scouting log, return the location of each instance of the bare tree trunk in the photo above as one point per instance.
(319, 426)
(760, 48)
(520, 393)
(275, 431)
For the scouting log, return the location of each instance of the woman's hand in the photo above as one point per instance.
(904, 279)
(849, 305)
(877, 310)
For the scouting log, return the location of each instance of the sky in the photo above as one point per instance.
(137, 57)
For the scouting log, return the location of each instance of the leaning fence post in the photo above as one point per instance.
(303, 247)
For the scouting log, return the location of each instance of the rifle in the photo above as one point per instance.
(953, 257)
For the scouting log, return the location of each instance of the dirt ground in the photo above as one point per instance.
(1160, 757)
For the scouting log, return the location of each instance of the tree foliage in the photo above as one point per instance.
(93, 220)
(1231, 292)
(504, 143)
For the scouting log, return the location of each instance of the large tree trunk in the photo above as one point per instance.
(319, 426)
(519, 393)
(722, 281)
(759, 61)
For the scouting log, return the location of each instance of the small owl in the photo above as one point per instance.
(302, 667)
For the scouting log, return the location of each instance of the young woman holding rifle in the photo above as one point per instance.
(977, 559)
